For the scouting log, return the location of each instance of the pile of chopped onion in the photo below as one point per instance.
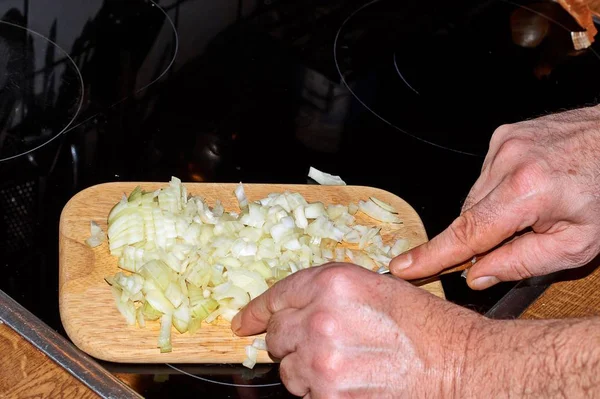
(185, 262)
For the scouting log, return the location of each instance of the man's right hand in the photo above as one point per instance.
(542, 174)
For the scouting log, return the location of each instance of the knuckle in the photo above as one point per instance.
(528, 179)
(519, 269)
(511, 147)
(284, 370)
(501, 133)
(271, 303)
(337, 280)
(463, 229)
(327, 365)
(578, 252)
(323, 324)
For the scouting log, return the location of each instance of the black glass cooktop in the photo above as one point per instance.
(403, 96)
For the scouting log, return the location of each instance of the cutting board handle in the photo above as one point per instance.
(71, 251)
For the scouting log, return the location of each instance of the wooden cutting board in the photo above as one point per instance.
(87, 308)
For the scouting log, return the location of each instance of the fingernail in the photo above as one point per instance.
(400, 263)
(236, 322)
(482, 283)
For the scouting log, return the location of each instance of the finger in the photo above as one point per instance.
(284, 332)
(295, 291)
(290, 372)
(530, 255)
(496, 217)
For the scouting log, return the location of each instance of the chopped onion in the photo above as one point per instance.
(352, 208)
(164, 338)
(251, 355)
(300, 217)
(97, 236)
(373, 210)
(185, 263)
(325, 178)
(314, 210)
(385, 206)
(241, 196)
(259, 344)
(401, 245)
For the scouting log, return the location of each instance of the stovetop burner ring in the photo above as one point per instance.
(345, 83)
(415, 95)
(401, 76)
(228, 384)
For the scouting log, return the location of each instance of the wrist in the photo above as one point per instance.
(447, 361)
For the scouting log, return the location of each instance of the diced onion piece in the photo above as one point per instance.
(174, 295)
(251, 356)
(241, 196)
(182, 318)
(376, 212)
(292, 244)
(401, 245)
(94, 241)
(250, 281)
(314, 210)
(279, 231)
(300, 217)
(352, 237)
(335, 211)
(159, 302)
(325, 179)
(366, 238)
(140, 317)
(352, 208)
(361, 259)
(384, 205)
(126, 308)
(259, 344)
(164, 338)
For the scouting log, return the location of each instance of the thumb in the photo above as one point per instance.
(530, 255)
(495, 218)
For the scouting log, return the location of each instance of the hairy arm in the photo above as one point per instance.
(533, 358)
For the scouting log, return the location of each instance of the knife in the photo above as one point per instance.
(462, 267)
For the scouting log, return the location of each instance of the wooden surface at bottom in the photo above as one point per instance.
(25, 372)
(577, 296)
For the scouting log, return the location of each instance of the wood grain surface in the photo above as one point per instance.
(87, 308)
(25, 372)
(577, 295)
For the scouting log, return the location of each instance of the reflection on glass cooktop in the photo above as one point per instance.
(42, 84)
(502, 62)
(36, 103)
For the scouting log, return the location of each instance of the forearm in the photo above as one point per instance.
(544, 358)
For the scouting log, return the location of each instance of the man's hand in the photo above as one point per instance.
(542, 174)
(343, 331)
